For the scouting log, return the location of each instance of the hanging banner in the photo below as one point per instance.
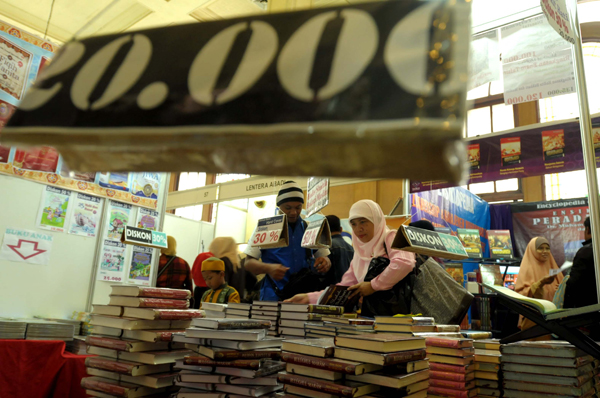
(85, 215)
(317, 194)
(140, 265)
(112, 261)
(536, 62)
(20, 245)
(117, 219)
(558, 17)
(453, 208)
(559, 221)
(383, 79)
(147, 219)
(484, 61)
(53, 209)
(550, 148)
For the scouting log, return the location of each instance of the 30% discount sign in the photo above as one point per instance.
(266, 237)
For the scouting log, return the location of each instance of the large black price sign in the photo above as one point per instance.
(362, 90)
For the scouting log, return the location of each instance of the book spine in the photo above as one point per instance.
(163, 303)
(112, 366)
(255, 324)
(97, 385)
(175, 315)
(443, 367)
(319, 363)
(441, 342)
(447, 328)
(113, 344)
(447, 376)
(316, 385)
(167, 336)
(229, 355)
(181, 294)
(403, 356)
(456, 385)
(446, 392)
(325, 309)
(240, 364)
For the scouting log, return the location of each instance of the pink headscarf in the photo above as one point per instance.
(372, 212)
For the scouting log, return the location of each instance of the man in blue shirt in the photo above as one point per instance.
(281, 263)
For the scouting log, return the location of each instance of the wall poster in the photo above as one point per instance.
(85, 215)
(53, 209)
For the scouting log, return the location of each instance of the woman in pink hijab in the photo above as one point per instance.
(534, 278)
(369, 233)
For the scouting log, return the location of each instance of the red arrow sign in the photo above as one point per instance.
(26, 249)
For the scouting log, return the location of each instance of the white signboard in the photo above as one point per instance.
(270, 232)
(26, 246)
(536, 62)
(317, 196)
(558, 17)
(484, 62)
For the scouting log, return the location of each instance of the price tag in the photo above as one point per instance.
(317, 235)
(429, 243)
(144, 237)
(270, 232)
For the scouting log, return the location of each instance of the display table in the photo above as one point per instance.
(40, 369)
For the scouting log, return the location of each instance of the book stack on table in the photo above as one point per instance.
(133, 343)
(214, 310)
(488, 376)
(404, 324)
(238, 310)
(13, 329)
(532, 369)
(384, 366)
(309, 313)
(267, 311)
(234, 357)
(452, 367)
(332, 326)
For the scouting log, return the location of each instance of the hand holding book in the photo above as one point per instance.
(299, 298)
(363, 288)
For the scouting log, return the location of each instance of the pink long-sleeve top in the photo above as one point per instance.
(401, 264)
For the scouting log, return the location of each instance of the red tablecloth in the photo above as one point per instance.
(40, 369)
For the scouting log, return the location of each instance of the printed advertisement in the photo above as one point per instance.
(500, 244)
(470, 241)
(53, 209)
(14, 68)
(39, 159)
(474, 155)
(145, 185)
(147, 219)
(85, 215)
(112, 261)
(484, 62)
(536, 62)
(559, 221)
(117, 219)
(114, 180)
(553, 142)
(510, 149)
(449, 209)
(140, 266)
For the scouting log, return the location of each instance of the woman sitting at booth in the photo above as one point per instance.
(534, 278)
(372, 240)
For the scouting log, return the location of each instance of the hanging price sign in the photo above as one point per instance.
(270, 232)
(317, 195)
(317, 235)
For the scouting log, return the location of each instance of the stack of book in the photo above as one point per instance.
(77, 346)
(267, 311)
(404, 324)
(385, 365)
(451, 361)
(233, 356)
(238, 310)
(214, 310)
(306, 313)
(133, 343)
(13, 329)
(39, 329)
(488, 376)
(332, 326)
(543, 368)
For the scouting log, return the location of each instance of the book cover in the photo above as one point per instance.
(142, 291)
(338, 296)
(456, 272)
(434, 374)
(334, 365)
(147, 302)
(347, 389)
(312, 308)
(448, 392)
(444, 367)
(222, 354)
(231, 324)
(381, 342)
(500, 244)
(168, 314)
(455, 385)
(384, 359)
(471, 242)
(448, 342)
(236, 363)
(323, 347)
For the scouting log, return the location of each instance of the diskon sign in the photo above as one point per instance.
(386, 80)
